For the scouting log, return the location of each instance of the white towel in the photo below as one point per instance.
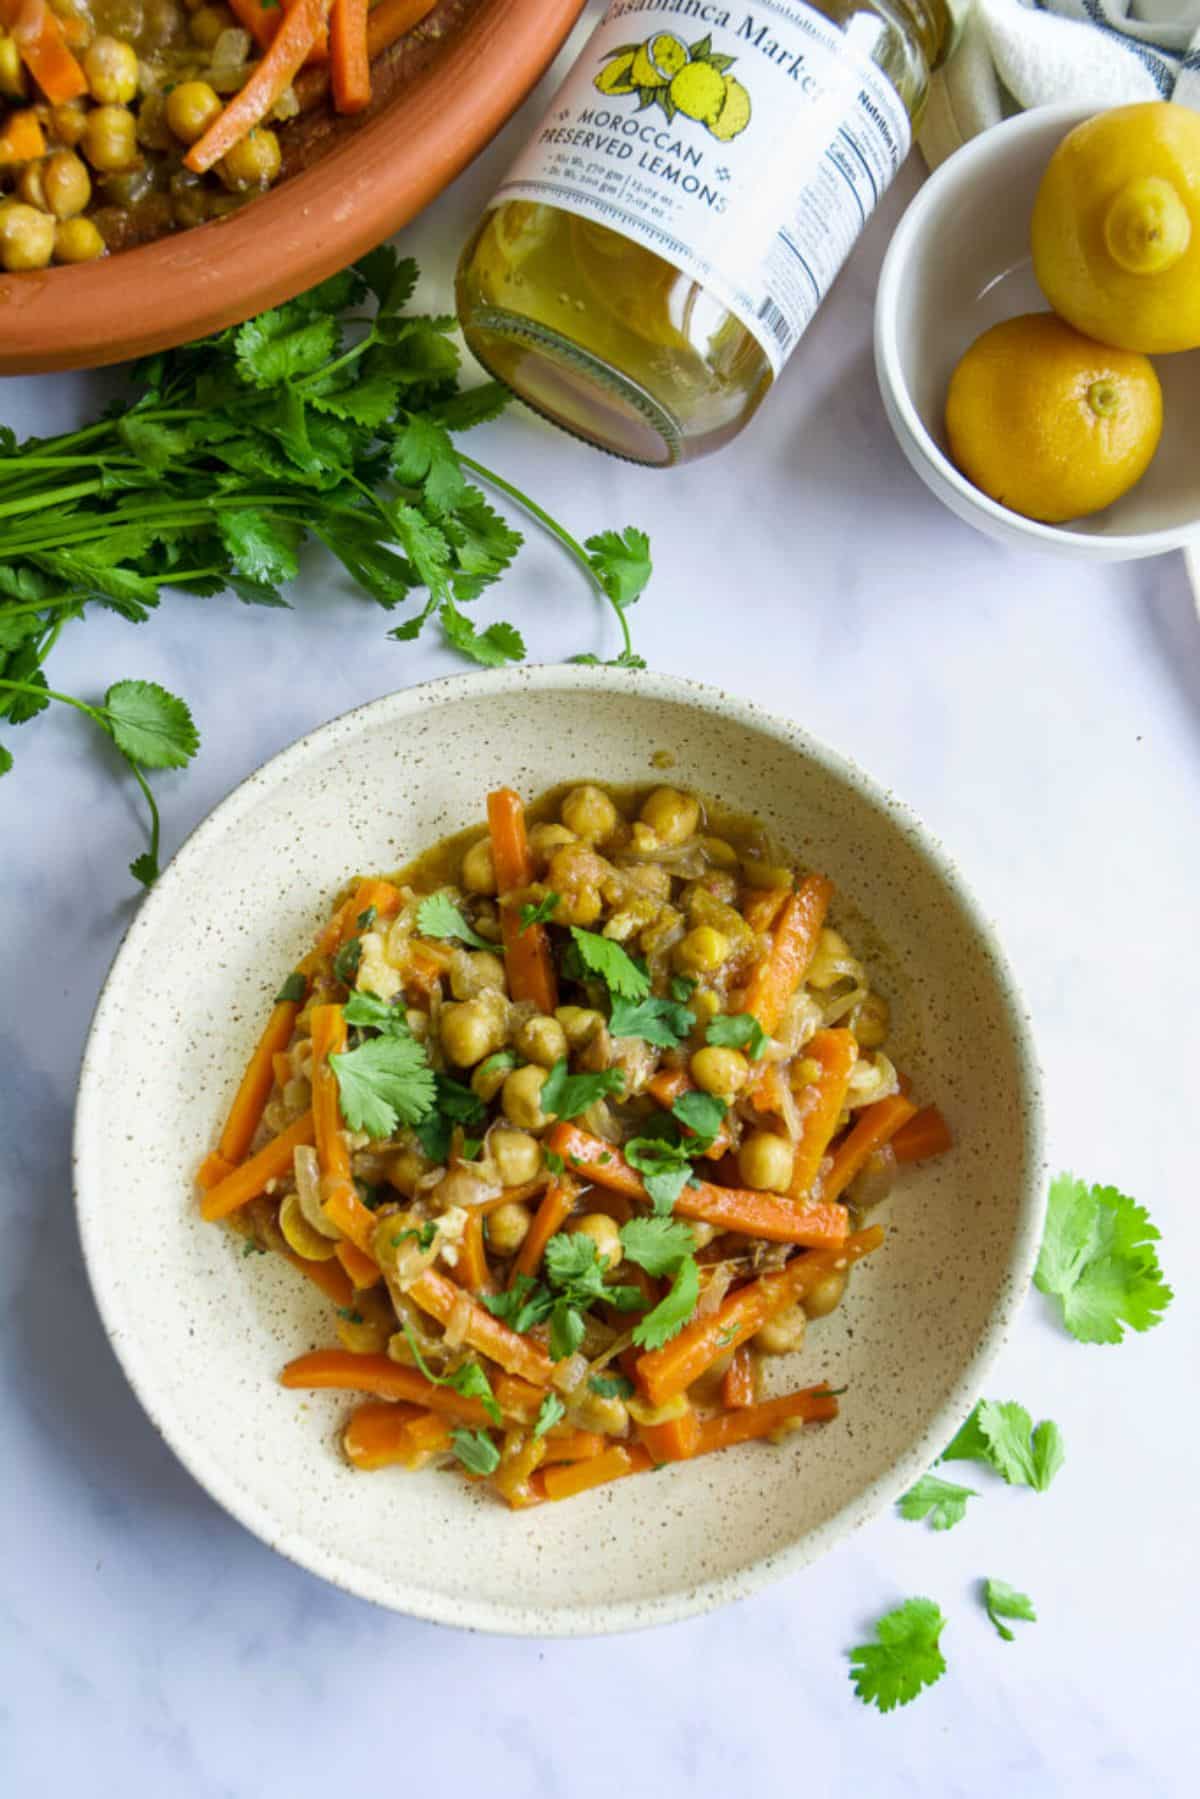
(1016, 54)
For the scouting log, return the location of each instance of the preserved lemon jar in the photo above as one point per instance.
(653, 257)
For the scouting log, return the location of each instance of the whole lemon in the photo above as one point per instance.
(1116, 228)
(734, 115)
(1049, 423)
(698, 91)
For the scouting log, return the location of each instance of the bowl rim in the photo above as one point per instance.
(991, 145)
(573, 1620)
(309, 227)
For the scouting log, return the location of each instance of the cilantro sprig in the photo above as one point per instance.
(1003, 1437)
(1002, 1601)
(904, 1658)
(942, 1502)
(438, 916)
(386, 1081)
(566, 1095)
(592, 954)
(1099, 1262)
(468, 1379)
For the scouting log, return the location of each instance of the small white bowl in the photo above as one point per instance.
(959, 263)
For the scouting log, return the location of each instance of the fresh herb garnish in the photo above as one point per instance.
(294, 991)
(1002, 1601)
(1099, 1262)
(940, 1501)
(350, 1314)
(574, 1267)
(453, 1105)
(904, 1658)
(611, 1386)
(231, 451)
(682, 987)
(549, 1413)
(602, 957)
(468, 1379)
(501, 1058)
(369, 1013)
(738, 1030)
(476, 1451)
(662, 1022)
(346, 961)
(665, 1165)
(542, 913)
(554, 1161)
(574, 1281)
(657, 1244)
(251, 1248)
(385, 1082)
(424, 1237)
(438, 916)
(367, 917)
(566, 1095)
(701, 1113)
(673, 1311)
(1002, 1436)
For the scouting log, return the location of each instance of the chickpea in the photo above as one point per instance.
(207, 23)
(825, 1295)
(518, 1156)
(67, 123)
(590, 813)
(486, 1082)
(671, 815)
(26, 238)
(110, 139)
(871, 1021)
(765, 875)
(541, 1040)
(66, 184)
(765, 1162)
(705, 1005)
(703, 950)
(78, 240)
(720, 1071)
(545, 839)
(12, 75)
(476, 973)
(111, 67)
(783, 1333)
(580, 1024)
(521, 1097)
(254, 162)
(478, 869)
(191, 109)
(592, 1411)
(604, 1234)
(30, 186)
(470, 1031)
(404, 1168)
(508, 1227)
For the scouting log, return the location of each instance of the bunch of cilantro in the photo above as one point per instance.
(313, 420)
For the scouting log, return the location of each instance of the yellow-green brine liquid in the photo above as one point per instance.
(656, 252)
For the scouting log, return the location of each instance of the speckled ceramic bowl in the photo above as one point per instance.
(202, 1333)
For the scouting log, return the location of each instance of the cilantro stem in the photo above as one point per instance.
(155, 822)
(55, 497)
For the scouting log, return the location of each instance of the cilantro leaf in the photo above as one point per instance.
(665, 1167)
(1098, 1260)
(904, 1658)
(1001, 1436)
(662, 1022)
(701, 1113)
(294, 991)
(621, 563)
(476, 1451)
(1002, 1601)
(549, 1413)
(367, 1012)
(151, 726)
(542, 913)
(940, 1501)
(263, 547)
(270, 351)
(738, 1030)
(567, 1329)
(438, 916)
(602, 957)
(468, 1379)
(566, 1095)
(384, 1083)
(573, 1265)
(657, 1244)
(346, 961)
(493, 648)
(526, 1303)
(672, 1312)
(683, 986)
(501, 1058)
(554, 1162)
(6, 760)
(611, 1386)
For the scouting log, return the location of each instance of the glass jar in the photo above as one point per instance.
(653, 257)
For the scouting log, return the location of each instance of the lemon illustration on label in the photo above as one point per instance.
(658, 59)
(698, 92)
(679, 78)
(734, 115)
(617, 78)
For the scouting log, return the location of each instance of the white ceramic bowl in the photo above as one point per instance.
(959, 263)
(202, 1333)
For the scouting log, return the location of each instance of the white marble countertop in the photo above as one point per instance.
(1042, 717)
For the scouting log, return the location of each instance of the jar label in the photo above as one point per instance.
(749, 156)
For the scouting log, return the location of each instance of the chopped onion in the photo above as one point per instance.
(308, 1190)
(713, 1296)
(840, 1004)
(459, 1321)
(569, 1374)
(687, 860)
(789, 1112)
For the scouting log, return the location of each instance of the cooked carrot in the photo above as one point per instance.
(737, 1388)
(22, 139)
(674, 1440)
(564, 1481)
(375, 1433)
(670, 1084)
(527, 953)
(664, 1373)
(281, 1068)
(728, 1428)
(556, 1205)
(821, 1102)
(573, 1445)
(344, 1371)
(297, 34)
(246, 1182)
(214, 1168)
(471, 1269)
(330, 1277)
(513, 1196)
(386, 22)
(363, 1271)
(778, 973)
(761, 906)
(765, 1088)
(356, 1222)
(249, 1102)
(328, 1039)
(441, 1297)
(876, 1125)
(925, 1135)
(349, 61)
(423, 969)
(262, 22)
(729, 1208)
(39, 39)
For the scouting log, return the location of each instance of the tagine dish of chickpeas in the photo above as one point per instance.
(577, 1123)
(121, 120)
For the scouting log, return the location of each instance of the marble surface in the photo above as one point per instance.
(1043, 718)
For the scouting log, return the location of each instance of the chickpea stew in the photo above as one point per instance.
(575, 1123)
(124, 119)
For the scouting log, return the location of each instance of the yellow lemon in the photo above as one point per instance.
(698, 92)
(616, 77)
(659, 58)
(1051, 424)
(734, 115)
(1116, 228)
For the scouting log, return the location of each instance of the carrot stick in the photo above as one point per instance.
(821, 1103)
(249, 1102)
(344, 923)
(38, 36)
(386, 22)
(356, 1222)
(528, 959)
(729, 1208)
(440, 1297)
(573, 1445)
(925, 1135)
(752, 1421)
(349, 61)
(375, 1433)
(293, 41)
(675, 1440)
(472, 1266)
(664, 1373)
(328, 1039)
(670, 1084)
(761, 906)
(22, 139)
(737, 1388)
(260, 21)
(564, 1482)
(344, 1371)
(250, 1179)
(766, 1088)
(329, 1276)
(876, 1126)
(214, 1168)
(780, 971)
(555, 1207)
(363, 1271)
